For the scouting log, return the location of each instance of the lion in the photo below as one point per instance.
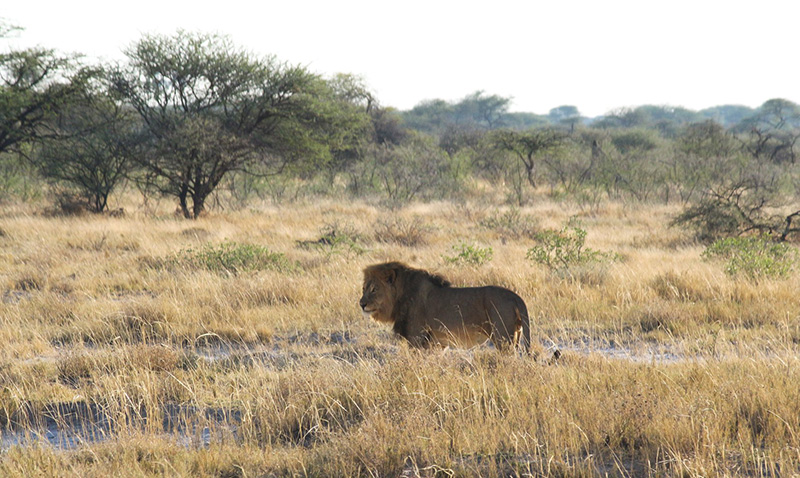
(426, 311)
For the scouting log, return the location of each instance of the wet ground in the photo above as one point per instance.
(69, 425)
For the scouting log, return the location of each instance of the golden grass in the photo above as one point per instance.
(669, 367)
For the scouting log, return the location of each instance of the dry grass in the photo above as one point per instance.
(669, 367)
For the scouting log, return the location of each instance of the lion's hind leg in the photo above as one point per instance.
(503, 335)
(522, 334)
(510, 329)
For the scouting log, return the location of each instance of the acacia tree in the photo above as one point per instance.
(773, 132)
(209, 108)
(353, 118)
(482, 110)
(34, 85)
(702, 154)
(742, 193)
(415, 169)
(94, 139)
(527, 145)
(565, 115)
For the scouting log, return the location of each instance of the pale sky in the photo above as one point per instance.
(594, 54)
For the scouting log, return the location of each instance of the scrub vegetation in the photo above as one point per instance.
(182, 362)
(182, 238)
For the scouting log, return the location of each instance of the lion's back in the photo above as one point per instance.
(474, 303)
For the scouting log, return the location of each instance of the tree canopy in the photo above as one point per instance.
(34, 85)
(209, 108)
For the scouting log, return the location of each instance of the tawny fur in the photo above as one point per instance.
(424, 309)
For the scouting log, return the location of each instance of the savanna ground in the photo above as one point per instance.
(160, 346)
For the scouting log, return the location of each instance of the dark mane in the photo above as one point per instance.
(409, 272)
(410, 280)
(437, 280)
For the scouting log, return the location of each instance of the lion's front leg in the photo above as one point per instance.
(422, 339)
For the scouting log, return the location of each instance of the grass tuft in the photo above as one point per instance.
(405, 232)
(233, 258)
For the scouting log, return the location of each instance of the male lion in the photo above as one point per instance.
(425, 310)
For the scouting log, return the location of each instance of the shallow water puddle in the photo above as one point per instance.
(68, 425)
(631, 355)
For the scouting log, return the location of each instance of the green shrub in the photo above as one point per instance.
(233, 258)
(336, 239)
(634, 140)
(470, 254)
(753, 257)
(511, 223)
(564, 249)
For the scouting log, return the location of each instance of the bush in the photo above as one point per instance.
(755, 258)
(470, 254)
(66, 203)
(512, 224)
(400, 231)
(711, 220)
(336, 239)
(564, 249)
(233, 258)
(744, 204)
(417, 169)
(635, 141)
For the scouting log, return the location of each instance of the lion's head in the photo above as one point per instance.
(385, 283)
(377, 295)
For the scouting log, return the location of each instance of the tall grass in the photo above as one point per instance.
(669, 366)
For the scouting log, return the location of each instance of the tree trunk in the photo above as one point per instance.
(100, 202)
(529, 168)
(182, 196)
(199, 196)
(198, 205)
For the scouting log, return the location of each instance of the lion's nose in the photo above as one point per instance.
(362, 303)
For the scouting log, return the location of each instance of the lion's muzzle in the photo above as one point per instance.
(365, 310)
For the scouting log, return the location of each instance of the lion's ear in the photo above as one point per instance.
(391, 275)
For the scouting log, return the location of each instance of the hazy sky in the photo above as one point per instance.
(597, 55)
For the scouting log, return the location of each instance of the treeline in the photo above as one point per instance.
(491, 112)
(194, 117)
(733, 168)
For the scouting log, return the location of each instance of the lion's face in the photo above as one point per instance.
(376, 299)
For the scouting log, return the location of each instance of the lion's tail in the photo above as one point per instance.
(524, 322)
